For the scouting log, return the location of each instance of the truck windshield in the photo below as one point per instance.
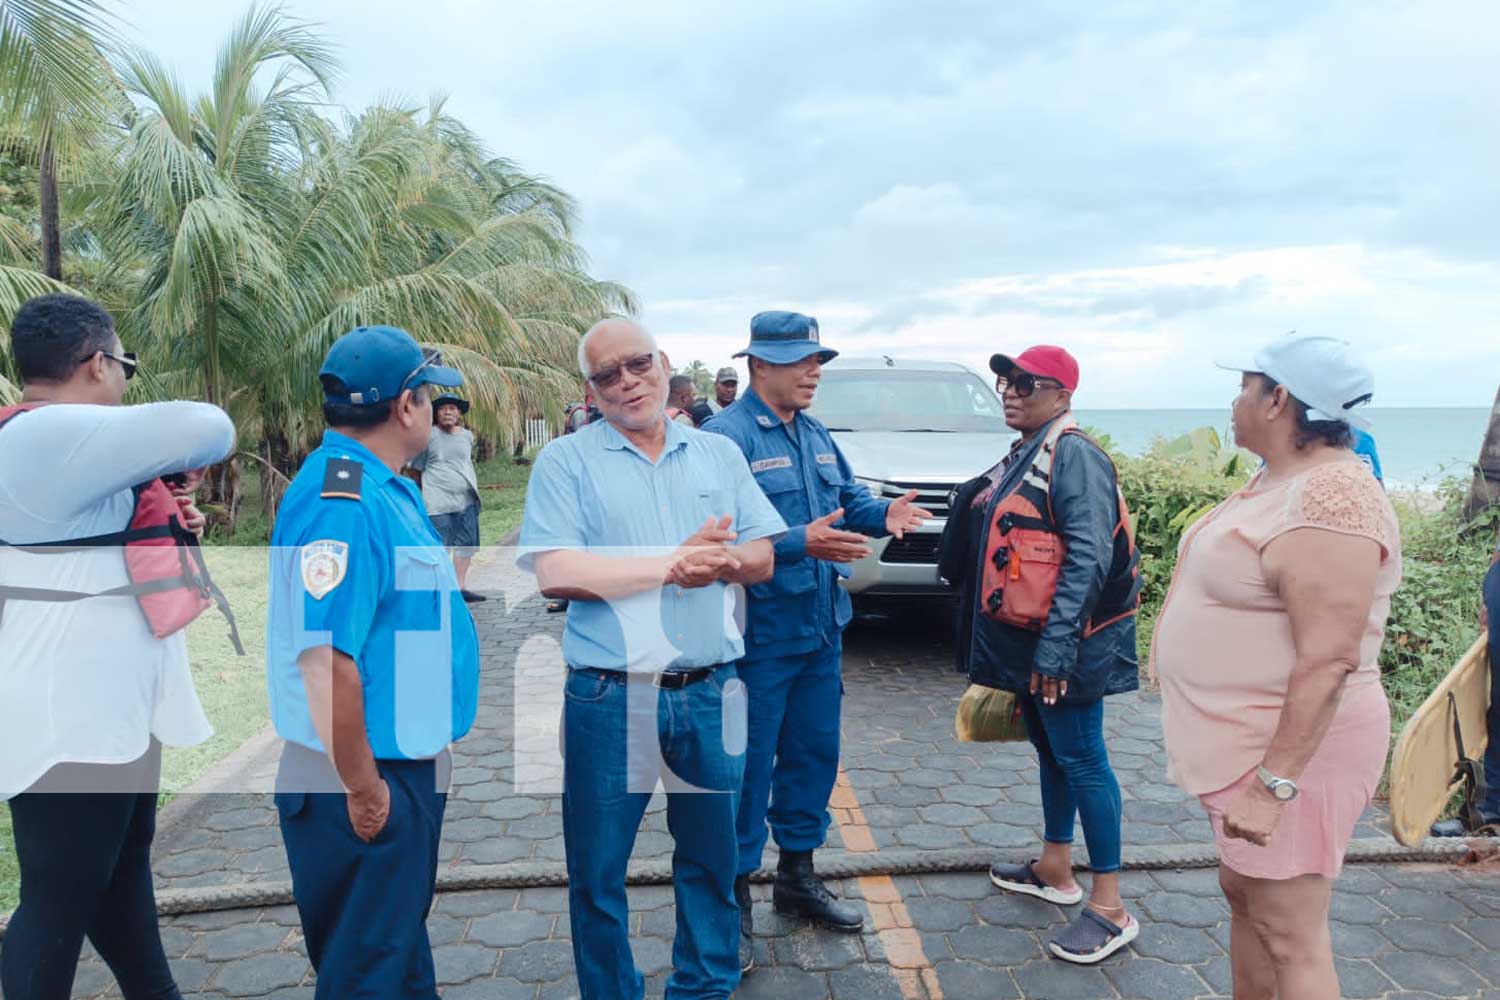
(933, 401)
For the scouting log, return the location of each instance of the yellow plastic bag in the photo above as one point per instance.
(988, 715)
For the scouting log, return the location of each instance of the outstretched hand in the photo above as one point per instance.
(903, 515)
(824, 541)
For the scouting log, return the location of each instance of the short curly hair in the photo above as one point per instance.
(52, 334)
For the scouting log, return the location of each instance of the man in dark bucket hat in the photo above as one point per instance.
(450, 486)
(794, 640)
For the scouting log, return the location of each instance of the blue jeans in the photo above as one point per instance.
(618, 738)
(792, 759)
(1076, 776)
(1491, 804)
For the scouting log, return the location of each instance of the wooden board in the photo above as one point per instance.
(1426, 753)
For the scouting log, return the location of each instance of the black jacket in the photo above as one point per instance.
(1086, 506)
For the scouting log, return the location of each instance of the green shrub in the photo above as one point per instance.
(1167, 489)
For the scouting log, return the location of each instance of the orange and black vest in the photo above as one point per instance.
(1024, 551)
(168, 576)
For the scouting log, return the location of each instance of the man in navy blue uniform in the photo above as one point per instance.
(373, 665)
(794, 640)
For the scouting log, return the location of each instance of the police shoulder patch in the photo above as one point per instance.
(324, 564)
(342, 478)
(779, 462)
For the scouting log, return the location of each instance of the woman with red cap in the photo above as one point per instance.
(1042, 553)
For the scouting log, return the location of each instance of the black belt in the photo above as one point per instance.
(670, 680)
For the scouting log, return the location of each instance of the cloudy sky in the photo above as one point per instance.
(1149, 184)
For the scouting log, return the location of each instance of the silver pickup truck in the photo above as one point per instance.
(910, 425)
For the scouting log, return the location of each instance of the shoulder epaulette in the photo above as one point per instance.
(342, 478)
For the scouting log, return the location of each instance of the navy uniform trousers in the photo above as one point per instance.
(792, 755)
(364, 905)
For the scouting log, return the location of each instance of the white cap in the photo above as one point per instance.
(1320, 371)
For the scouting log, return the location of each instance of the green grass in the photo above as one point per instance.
(233, 688)
(503, 484)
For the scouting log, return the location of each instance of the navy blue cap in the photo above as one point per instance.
(784, 337)
(377, 363)
(448, 397)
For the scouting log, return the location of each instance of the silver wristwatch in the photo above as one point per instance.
(1284, 789)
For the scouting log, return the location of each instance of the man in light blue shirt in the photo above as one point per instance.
(647, 526)
(373, 664)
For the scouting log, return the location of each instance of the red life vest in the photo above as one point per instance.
(168, 577)
(1024, 551)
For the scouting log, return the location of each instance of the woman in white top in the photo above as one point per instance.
(87, 692)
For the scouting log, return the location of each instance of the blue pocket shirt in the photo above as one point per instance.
(393, 607)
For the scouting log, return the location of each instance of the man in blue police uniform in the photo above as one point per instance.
(644, 524)
(373, 664)
(794, 641)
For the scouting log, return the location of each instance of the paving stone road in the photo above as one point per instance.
(1400, 931)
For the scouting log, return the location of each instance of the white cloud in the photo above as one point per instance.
(1146, 183)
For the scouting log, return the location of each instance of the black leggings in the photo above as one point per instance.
(86, 871)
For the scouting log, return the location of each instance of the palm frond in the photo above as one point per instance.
(55, 83)
(17, 284)
(18, 244)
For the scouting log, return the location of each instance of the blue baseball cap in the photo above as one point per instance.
(783, 338)
(377, 363)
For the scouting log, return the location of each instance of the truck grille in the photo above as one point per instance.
(932, 496)
(916, 547)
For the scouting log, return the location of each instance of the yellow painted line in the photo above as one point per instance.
(898, 938)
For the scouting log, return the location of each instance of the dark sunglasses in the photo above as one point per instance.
(1025, 384)
(610, 374)
(125, 360)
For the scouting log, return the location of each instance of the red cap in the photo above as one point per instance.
(1048, 362)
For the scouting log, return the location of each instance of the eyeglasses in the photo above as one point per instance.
(430, 359)
(610, 374)
(125, 360)
(1025, 384)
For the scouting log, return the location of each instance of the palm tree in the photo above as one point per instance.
(261, 230)
(58, 96)
(703, 379)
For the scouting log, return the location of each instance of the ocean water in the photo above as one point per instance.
(1418, 446)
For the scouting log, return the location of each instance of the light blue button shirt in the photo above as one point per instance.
(594, 491)
(389, 600)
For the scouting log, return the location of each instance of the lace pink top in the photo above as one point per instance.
(1223, 650)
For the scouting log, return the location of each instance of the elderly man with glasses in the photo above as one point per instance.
(649, 527)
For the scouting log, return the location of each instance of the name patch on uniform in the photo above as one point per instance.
(828, 458)
(324, 564)
(779, 462)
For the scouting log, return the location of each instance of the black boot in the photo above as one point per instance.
(747, 924)
(798, 892)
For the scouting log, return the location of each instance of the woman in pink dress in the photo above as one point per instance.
(1266, 650)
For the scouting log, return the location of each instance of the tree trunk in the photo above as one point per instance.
(51, 222)
(1484, 491)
